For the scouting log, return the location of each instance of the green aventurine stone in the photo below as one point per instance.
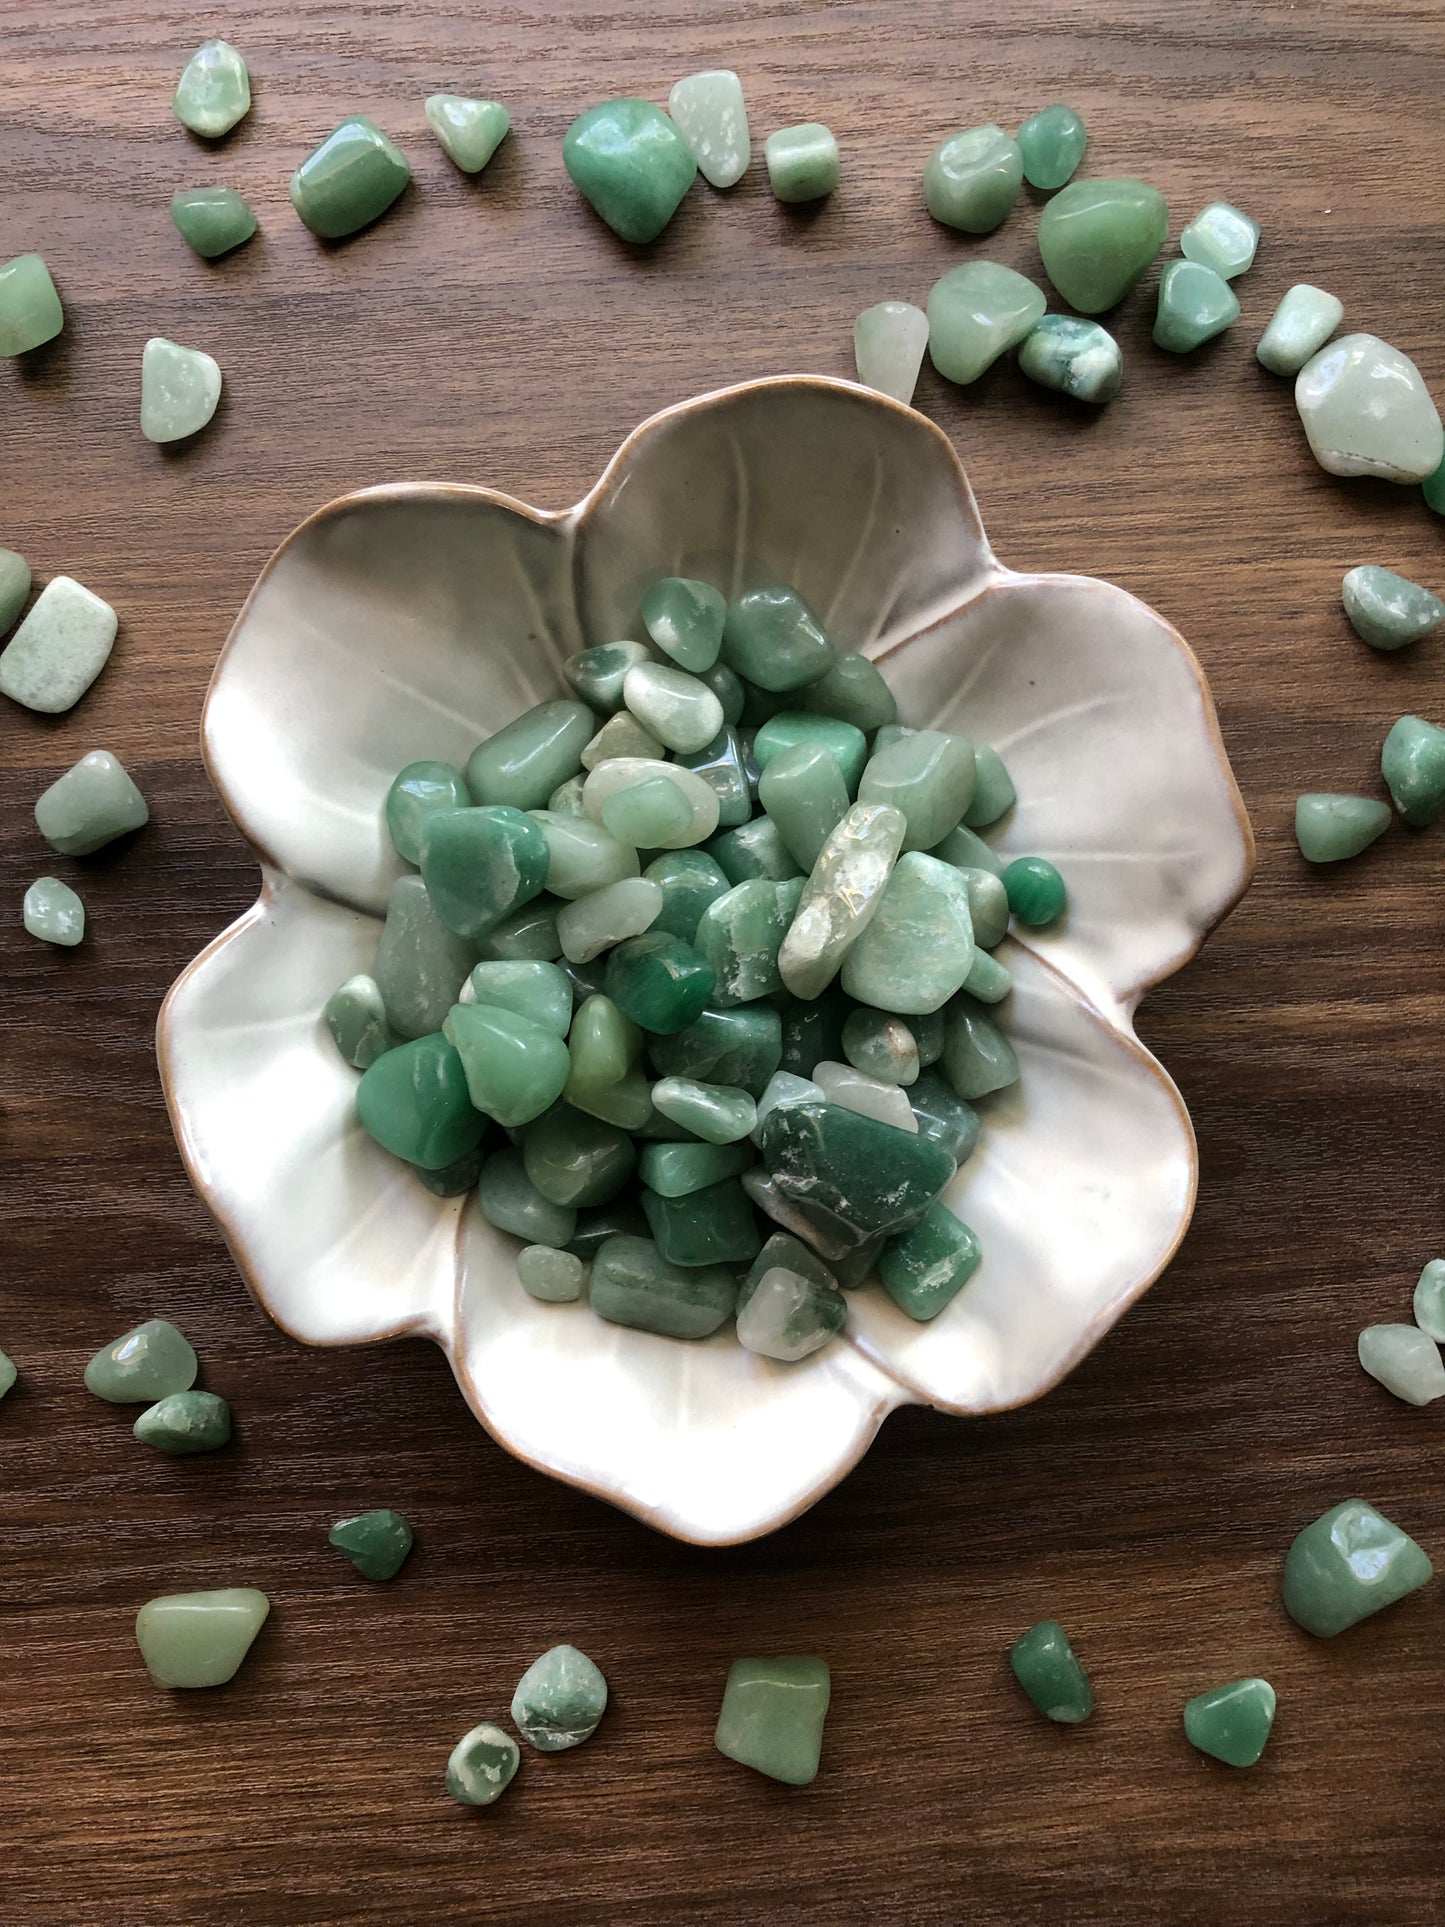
(1429, 1300)
(739, 937)
(772, 639)
(853, 690)
(802, 162)
(144, 1364)
(454, 1180)
(480, 865)
(988, 980)
(523, 763)
(1231, 1723)
(630, 162)
(1432, 488)
(1051, 145)
(1366, 411)
(1405, 1360)
(804, 794)
(185, 1422)
(659, 981)
(1388, 610)
(14, 588)
(742, 1046)
(793, 729)
(685, 619)
(414, 1102)
(214, 91)
(972, 179)
(712, 118)
(199, 1638)
(927, 1028)
(593, 924)
(633, 1284)
(977, 1057)
(681, 712)
(716, 1113)
(551, 1277)
(212, 220)
(581, 856)
(1047, 1668)
(968, 852)
(840, 897)
(514, 1069)
(8, 1374)
(597, 674)
(1412, 762)
(1075, 358)
(944, 1116)
(482, 1765)
(575, 1159)
(180, 389)
(419, 792)
(723, 767)
(59, 649)
(927, 1267)
(507, 1198)
(53, 912)
(772, 1716)
(786, 1316)
(1035, 890)
(813, 1031)
(993, 792)
(889, 340)
(420, 963)
(689, 880)
(916, 952)
(1300, 326)
(871, 1176)
(881, 1046)
(530, 935)
(376, 1543)
(1098, 237)
(714, 1226)
(1195, 304)
(92, 804)
(975, 313)
(753, 851)
(350, 180)
(678, 1170)
(1223, 238)
(785, 1253)
(470, 131)
(1349, 1563)
(1330, 828)
(534, 989)
(728, 689)
(929, 776)
(30, 310)
(559, 1700)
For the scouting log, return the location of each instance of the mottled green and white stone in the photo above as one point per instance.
(179, 390)
(355, 1015)
(59, 649)
(681, 712)
(214, 91)
(881, 1045)
(470, 131)
(1388, 610)
(1300, 326)
(559, 1700)
(1074, 357)
(1366, 411)
(1429, 1301)
(855, 1090)
(1222, 237)
(784, 1087)
(184, 1423)
(840, 897)
(919, 947)
(191, 1639)
(1405, 1360)
(620, 735)
(92, 804)
(787, 1316)
(712, 117)
(1412, 762)
(626, 772)
(889, 340)
(53, 912)
(482, 1766)
(594, 923)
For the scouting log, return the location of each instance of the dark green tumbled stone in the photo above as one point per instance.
(414, 1102)
(689, 880)
(944, 1116)
(522, 764)
(772, 639)
(1036, 893)
(728, 689)
(350, 180)
(1231, 1723)
(454, 1180)
(813, 1032)
(926, 1267)
(977, 1057)
(515, 1069)
(740, 1046)
(508, 1199)
(1045, 1665)
(481, 865)
(631, 163)
(621, 1219)
(659, 981)
(754, 850)
(869, 1175)
(576, 1159)
(772, 1716)
(714, 1226)
(1412, 762)
(376, 1543)
(633, 1284)
(720, 765)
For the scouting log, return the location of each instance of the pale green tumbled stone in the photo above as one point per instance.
(651, 815)
(855, 1090)
(967, 851)
(507, 1198)
(1222, 237)
(183, 1423)
(552, 1277)
(1412, 762)
(1388, 610)
(525, 761)
(470, 131)
(716, 1113)
(889, 340)
(802, 162)
(739, 935)
(685, 619)
(214, 91)
(1300, 326)
(559, 1700)
(1330, 828)
(994, 794)
(144, 1364)
(1429, 1300)
(975, 313)
(92, 804)
(514, 1068)
(581, 856)
(772, 1716)
(972, 179)
(53, 912)
(594, 923)
(1195, 305)
(1074, 357)
(535, 988)
(878, 1044)
(30, 310)
(681, 712)
(482, 1765)
(180, 389)
(349, 181)
(787, 1316)
(803, 791)
(919, 947)
(355, 1014)
(1097, 237)
(1432, 489)
(988, 980)
(8, 1374)
(192, 1639)
(840, 897)
(14, 588)
(1051, 144)
(566, 799)
(709, 112)
(597, 674)
(977, 1057)
(622, 773)
(1366, 411)
(620, 735)
(420, 964)
(59, 649)
(212, 220)
(1347, 1565)
(928, 774)
(677, 1170)
(1405, 1360)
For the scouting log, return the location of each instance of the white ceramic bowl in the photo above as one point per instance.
(410, 621)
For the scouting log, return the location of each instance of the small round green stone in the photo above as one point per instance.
(1232, 1723)
(802, 162)
(1051, 144)
(212, 220)
(482, 1766)
(973, 178)
(1036, 893)
(1196, 303)
(1047, 1668)
(142, 1365)
(376, 1543)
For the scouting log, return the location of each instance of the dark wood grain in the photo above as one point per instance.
(492, 331)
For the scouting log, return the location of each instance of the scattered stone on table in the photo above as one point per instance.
(8, 1374)
(772, 1716)
(1405, 1360)
(559, 1700)
(1366, 411)
(1346, 1565)
(147, 1363)
(972, 179)
(470, 131)
(185, 1422)
(59, 649)
(1433, 489)
(1073, 357)
(975, 313)
(889, 340)
(1412, 761)
(1388, 610)
(1223, 237)
(212, 220)
(30, 310)
(14, 588)
(628, 160)
(1051, 145)
(1231, 1723)
(712, 117)
(214, 91)
(1195, 305)
(1097, 237)
(802, 162)
(180, 389)
(350, 180)
(53, 912)
(1429, 1302)
(192, 1639)
(1330, 828)
(482, 1766)
(376, 1543)
(1300, 326)
(1048, 1669)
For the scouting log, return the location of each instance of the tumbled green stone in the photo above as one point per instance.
(975, 313)
(581, 855)
(840, 897)
(524, 762)
(1300, 326)
(633, 166)
(794, 728)
(714, 1226)
(454, 1180)
(482, 1765)
(529, 935)
(966, 851)
(597, 674)
(94, 802)
(420, 790)
(813, 1030)
(420, 963)
(1432, 488)
(723, 767)
(943, 1116)
(633, 1284)
(604, 1047)
(14, 588)
(926, 1267)
(689, 880)
(977, 1057)
(785, 1252)
(1047, 1668)
(678, 1170)
(621, 1219)
(349, 181)
(759, 705)
(889, 340)
(710, 114)
(8, 1374)
(508, 1199)
(1051, 145)
(1223, 238)
(1195, 305)
(180, 389)
(881, 1046)
(685, 619)
(214, 90)
(1412, 762)
(1388, 610)
(929, 776)
(772, 1717)
(728, 688)
(514, 1069)
(716, 1113)
(739, 937)
(853, 690)
(575, 1159)
(376, 1543)
(1036, 892)
(1405, 1360)
(1231, 1723)
(414, 1102)
(659, 981)
(754, 851)
(53, 912)
(1366, 410)
(481, 865)
(1098, 237)
(470, 131)
(566, 799)
(59, 649)
(972, 179)
(1074, 357)
(1331, 828)
(30, 310)
(148, 1362)
(621, 735)
(741, 1045)
(928, 1028)
(593, 924)
(682, 713)
(802, 162)
(533, 988)
(993, 792)
(212, 220)
(552, 1277)
(804, 794)
(1429, 1300)
(1349, 1563)
(787, 1316)
(916, 952)
(185, 1422)
(199, 1638)
(559, 1700)
(870, 1175)
(988, 980)
(869, 1096)
(772, 639)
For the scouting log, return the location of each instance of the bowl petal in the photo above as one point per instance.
(397, 624)
(338, 1240)
(855, 501)
(1101, 713)
(1080, 1190)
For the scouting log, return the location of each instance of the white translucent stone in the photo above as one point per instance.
(784, 1088)
(625, 772)
(888, 344)
(1367, 411)
(1429, 1295)
(620, 735)
(1223, 237)
(594, 923)
(59, 649)
(710, 115)
(179, 390)
(1301, 325)
(681, 712)
(868, 1096)
(778, 1322)
(840, 896)
(1405, 1360)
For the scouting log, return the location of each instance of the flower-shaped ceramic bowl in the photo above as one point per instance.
(411, 621)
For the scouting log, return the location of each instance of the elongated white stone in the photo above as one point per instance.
(840, 896)
(179, 390)
(1367, 411)
(712, 118)
(59, 649)
(888, 343)
(1405, 1360)
(868, 1096)
(680, 711)
(594, 923)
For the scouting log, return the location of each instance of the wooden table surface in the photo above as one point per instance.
(492, 331)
